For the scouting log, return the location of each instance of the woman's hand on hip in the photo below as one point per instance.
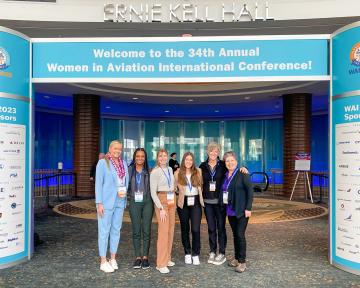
(163, 215)
(247, 213)
(100, 209)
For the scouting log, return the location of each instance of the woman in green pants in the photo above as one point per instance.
(141, 207)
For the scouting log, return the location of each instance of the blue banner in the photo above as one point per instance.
(192, 59)
(345, 151)
(346, 61)
(15, 156)
(14, 64)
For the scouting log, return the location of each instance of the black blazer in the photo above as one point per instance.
(240, 193)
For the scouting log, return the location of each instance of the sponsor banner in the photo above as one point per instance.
(193, 59)
(345, 151)
(14, 148)
(14, 64)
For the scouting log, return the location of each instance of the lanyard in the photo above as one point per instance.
(212, 172)
(168, 177)
(189, 184)
(138, 178)
(232, 176)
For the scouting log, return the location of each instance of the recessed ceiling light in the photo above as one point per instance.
(107, 107)
(216, 111)
(191, 100)
(247, 97)
(47, 97)
(167, 111)
(135, 98)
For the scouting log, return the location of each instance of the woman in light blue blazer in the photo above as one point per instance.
(111, 184)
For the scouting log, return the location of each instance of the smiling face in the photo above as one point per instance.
(213, 154)
(231, 163)
(140, 158)
(189, 161)
(115, 150)
(162, 158)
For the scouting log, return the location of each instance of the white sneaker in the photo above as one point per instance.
(171, 264)
(219, 259)
(114, 264)
(106, 267)
(211, 258)
(188, 259)
(163, 270)
(195, 260)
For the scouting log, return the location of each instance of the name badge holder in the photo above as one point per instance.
(225, 197)
(121, 191)
(226, 192)
(212, 187)
(139, 196)
(190, 200)
(170, 198)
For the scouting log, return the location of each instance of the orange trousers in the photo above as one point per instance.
(165, 232)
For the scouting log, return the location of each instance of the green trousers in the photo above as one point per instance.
(141, 215)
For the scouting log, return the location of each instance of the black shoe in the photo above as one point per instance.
(137, 264)
(145, 264)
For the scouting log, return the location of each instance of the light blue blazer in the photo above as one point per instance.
(106, 184)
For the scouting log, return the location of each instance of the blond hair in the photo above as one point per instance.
(114, 142)
(161, 150)
(213, 145)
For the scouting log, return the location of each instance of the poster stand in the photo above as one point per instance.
(305, 174)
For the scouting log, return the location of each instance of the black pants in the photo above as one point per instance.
(187, 215)
(238, 227)
(216, 219)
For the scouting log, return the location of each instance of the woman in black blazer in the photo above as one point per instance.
(237, 196)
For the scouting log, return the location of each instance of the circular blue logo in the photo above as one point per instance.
(4, 59)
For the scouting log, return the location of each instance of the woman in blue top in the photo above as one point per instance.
(111, 184)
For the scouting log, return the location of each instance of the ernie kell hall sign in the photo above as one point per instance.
(186, 12)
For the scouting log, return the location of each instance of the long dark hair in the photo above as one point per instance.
(195, 175)
(146, 164)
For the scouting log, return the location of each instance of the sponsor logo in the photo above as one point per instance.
(13, 175)
(17, 142)
(344, 175)
(348, 218)
(19, 225)
(13, 239)
(340, 248)
(355, 55)
(350, 152)
(13, 133)
(342, 230)
(4, 234)
(346, 244)
(4, 59)
(2, 189)
(353, 252)
(1, 142)
(4, 247)
(12, 151)
(343, 142)
(343, 166)
(20, 187)
(357, 209)
(15, 167)
(12, 196)
(348, 237)
(2, 166)
(357, 142)
(2, 198)
(14, 205)
(1, 215)
(16, 213)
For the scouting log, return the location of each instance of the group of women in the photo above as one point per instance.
(219, 187)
